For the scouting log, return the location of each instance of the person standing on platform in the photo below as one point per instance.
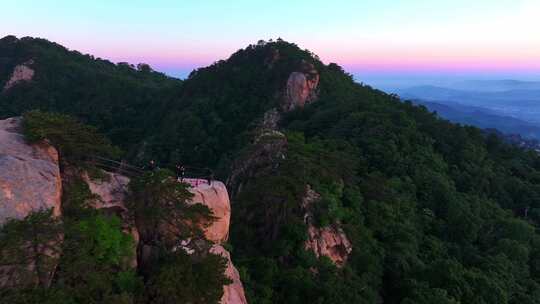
(152, 165)
(180, 172)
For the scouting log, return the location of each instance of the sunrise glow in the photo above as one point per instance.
(364, 36)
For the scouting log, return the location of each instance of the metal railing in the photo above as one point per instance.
(122, 167)
(111, 165)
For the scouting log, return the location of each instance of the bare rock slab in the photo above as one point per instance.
(234, 292)
(214, 195)
(29, 174)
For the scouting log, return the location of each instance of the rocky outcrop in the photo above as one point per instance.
(269, 144)
(111, 191)
(270, 121)
(329, 241)
(213, 194)
(301, 87)
(22, 72)
(260, 158)
(234, 292)
(29, 181)
(29, 174)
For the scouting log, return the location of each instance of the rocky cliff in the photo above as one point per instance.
(29, 174)
(234, 292)
(111, 192)
(269, 143)
(331, 241)
(214, 195)
(302, 87)
(29, 181)
(270, 146)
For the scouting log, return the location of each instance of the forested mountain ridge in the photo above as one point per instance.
(117, 98)
(432, 212)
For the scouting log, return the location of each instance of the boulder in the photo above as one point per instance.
(29, 174)
(21, 72)
(234, 292)
(214, 195)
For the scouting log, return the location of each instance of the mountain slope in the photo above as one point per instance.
(120, 99)
(421, 210)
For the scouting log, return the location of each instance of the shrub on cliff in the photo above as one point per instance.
(158, 203)
(73, 140)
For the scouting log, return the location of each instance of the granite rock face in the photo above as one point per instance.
(234, 292)
(22, 72)
(214, 195)
(111, 190)
(301, 87)
(29, 181)
(330, 241)
(29, 174)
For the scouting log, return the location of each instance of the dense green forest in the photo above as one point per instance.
(121, 100)
(436, 212)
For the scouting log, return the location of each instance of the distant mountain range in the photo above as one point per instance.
(482, 118)
(511, 106)
(496, 85)
(516, 97)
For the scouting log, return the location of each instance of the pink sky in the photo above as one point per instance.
(369, 36)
